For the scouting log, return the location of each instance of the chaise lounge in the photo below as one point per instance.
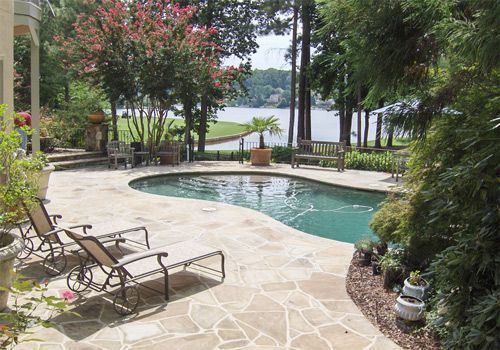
(125, 272)
(41, 238)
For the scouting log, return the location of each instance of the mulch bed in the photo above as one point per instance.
(377, 303)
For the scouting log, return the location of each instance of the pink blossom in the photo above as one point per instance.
(68, 295)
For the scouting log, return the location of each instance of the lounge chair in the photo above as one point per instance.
(121, 272)
(42, 236)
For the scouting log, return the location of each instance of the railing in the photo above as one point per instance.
(123, 135)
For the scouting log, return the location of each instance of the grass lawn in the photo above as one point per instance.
(395, 142)
(215, 129)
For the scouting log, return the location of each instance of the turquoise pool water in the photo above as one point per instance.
(322, 210)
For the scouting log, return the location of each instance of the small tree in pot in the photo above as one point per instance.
(17, 185)
(261, 125)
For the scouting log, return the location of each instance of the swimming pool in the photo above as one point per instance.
(319, 209)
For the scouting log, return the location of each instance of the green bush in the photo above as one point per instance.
(364, 161)
(282, 154)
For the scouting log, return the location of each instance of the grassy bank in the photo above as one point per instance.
(218, 129)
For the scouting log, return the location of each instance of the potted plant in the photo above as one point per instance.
(416, 286)
(390, 264)
(97, 116)
(261, 125)
(17, 185)
(409, 308)
(41, 165)
(364, 247)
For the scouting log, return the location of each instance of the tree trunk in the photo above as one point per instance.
(378, 133)
(367, 126)
(293, 82)
(305, 62)
(341, 121)
(359, 118)
(202, 131)
(188, 120)
(308, 112)
(114, 120)
(390, 137)
(348, 124)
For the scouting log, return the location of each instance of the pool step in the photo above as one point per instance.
(64, 159)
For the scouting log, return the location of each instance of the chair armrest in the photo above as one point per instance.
(130, 230)
(50, 233)
(54, 217)
(83, 226)
(139, 256)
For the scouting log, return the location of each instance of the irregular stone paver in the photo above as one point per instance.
(283, 289)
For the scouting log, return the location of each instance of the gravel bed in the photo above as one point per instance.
(377, 303)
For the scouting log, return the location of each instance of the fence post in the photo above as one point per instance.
(231, 155)
(218, 155)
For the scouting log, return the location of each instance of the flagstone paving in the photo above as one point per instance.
(283, 288)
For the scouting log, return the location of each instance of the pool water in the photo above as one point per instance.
(319, 209)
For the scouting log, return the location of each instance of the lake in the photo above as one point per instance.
(325, 124)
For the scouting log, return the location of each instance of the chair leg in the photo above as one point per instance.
(223, 269)
(166, 284)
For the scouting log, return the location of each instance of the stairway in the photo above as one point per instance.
(64, 159)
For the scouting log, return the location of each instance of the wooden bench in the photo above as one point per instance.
(319, 150)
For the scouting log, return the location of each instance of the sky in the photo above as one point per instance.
(270, 54)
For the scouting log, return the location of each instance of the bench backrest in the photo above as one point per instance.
(320, 148)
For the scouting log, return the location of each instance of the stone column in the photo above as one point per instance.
(96, 137)
(7, 54)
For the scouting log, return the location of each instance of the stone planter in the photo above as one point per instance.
(10, 246)
(96, 117)
(409, 308)
(43, 181)
(419, 292)
(261, 157)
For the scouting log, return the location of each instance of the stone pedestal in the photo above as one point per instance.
(96, 137)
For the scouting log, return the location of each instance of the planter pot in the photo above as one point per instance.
(419, 292)
(260, 156)
(10, 246)
(364, 259)
(96, 117)
(43, 181)
(409, 308)
(391, 277)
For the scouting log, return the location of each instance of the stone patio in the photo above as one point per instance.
(283, 288)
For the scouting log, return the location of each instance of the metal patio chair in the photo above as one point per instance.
(41, 238)
(121, 272)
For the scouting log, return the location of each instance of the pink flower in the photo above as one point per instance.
(68, 295)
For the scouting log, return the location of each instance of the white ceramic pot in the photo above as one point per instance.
(409, 308)
(419, 292)
(10, 246)
(43, 181)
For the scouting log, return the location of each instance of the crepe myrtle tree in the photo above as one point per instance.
(147, 53)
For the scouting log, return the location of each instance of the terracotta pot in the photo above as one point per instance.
(96, 117)
(259, 156)
(10, 247)
(409, 308)
(43, 181)
(419, 292)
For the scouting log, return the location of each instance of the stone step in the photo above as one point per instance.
(72, 155)
(79, 163)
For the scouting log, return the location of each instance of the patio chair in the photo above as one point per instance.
(141, 153)
(119, 150)
(41, 238)
(121, 272)
(169, 153)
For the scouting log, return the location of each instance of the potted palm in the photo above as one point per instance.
(17, 186)
(261, 125)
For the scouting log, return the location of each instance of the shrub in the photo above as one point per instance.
(282, 154)
(364, 161)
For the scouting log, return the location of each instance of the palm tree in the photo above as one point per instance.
(261, 125)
